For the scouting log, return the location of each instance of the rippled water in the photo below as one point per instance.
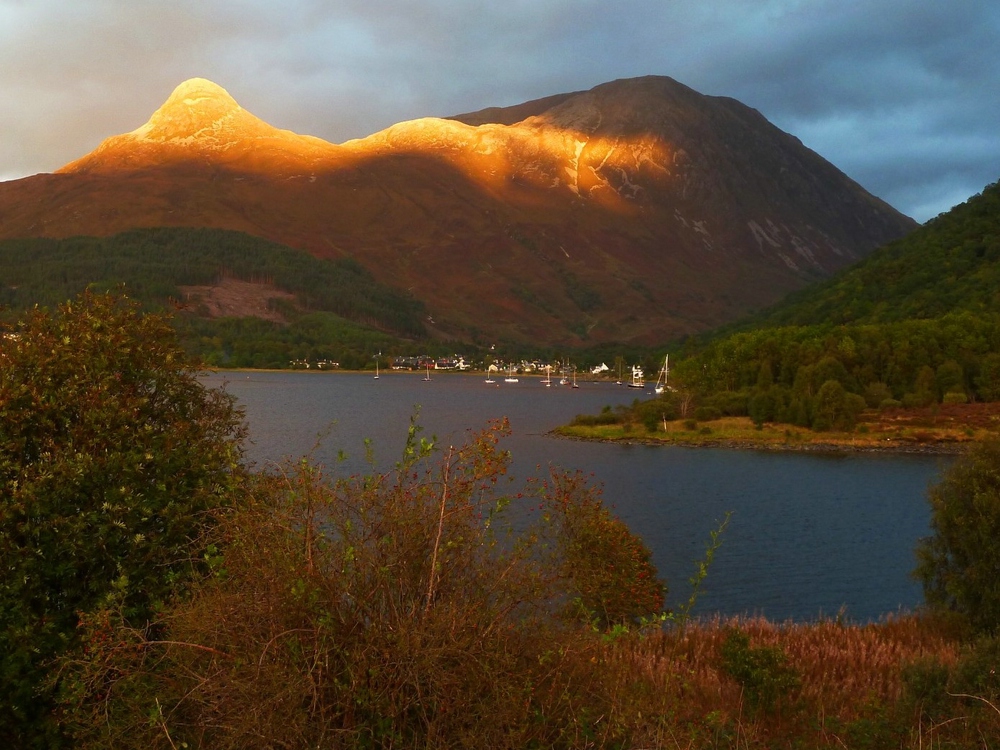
(809, 534)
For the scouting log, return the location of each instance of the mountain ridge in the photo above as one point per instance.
(638, 211)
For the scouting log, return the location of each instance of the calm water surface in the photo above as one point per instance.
(810, 535)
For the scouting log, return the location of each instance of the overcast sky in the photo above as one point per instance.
(902, 95)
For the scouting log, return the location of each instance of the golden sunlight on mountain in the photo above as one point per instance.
(614, 171)
(636, 211)
(201, 122)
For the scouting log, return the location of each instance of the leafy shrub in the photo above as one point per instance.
(762, 671)
(955, 397)
(876, 393)
(592, 420)
(707, 413)
(925, 687)
(112, 456)
(976, 670)
(655, 411)
(958, 563)
(611, 579)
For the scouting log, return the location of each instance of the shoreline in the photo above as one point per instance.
(939, 448)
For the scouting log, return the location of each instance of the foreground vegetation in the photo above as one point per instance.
(154, 595)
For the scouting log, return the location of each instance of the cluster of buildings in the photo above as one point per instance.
(424, 362)
(323, 364)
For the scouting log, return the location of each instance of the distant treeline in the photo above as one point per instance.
(339, 312)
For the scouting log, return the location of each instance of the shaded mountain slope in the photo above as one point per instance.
(951, 264)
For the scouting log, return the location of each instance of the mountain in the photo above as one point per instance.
(637, 211)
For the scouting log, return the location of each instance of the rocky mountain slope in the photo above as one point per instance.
(638, 211)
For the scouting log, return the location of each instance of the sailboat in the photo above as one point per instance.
(428, 375)
(376, 364)
(637, 380)
(619, 381)
(574, 379)
(661, 380)
(510, 375)
(547, 380)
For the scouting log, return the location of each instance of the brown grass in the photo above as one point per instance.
(851, 684)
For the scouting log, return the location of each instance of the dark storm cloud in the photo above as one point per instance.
(900, 94)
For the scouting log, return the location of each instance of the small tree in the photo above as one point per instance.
(607, 570)
(111, 456)
(959, 564)
(835, 408)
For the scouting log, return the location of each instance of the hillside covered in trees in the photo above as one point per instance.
(318, 309)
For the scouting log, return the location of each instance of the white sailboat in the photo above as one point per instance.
(574, 379)
(547, 380)
(376, 364)
(661, 380)
(428, 370)
(510, 375)
(637, 378)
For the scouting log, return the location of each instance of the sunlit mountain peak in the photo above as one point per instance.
(200, 108)
(201, 123)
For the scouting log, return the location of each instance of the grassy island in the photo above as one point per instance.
(943, 428)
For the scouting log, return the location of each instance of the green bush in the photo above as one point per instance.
(877, 393)
(958, 563)
(976, 670)
(955, 397)
(762, 671)
(112, 458)
(707, 413)
(925, 688)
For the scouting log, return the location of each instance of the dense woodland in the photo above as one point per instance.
(339, 311)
